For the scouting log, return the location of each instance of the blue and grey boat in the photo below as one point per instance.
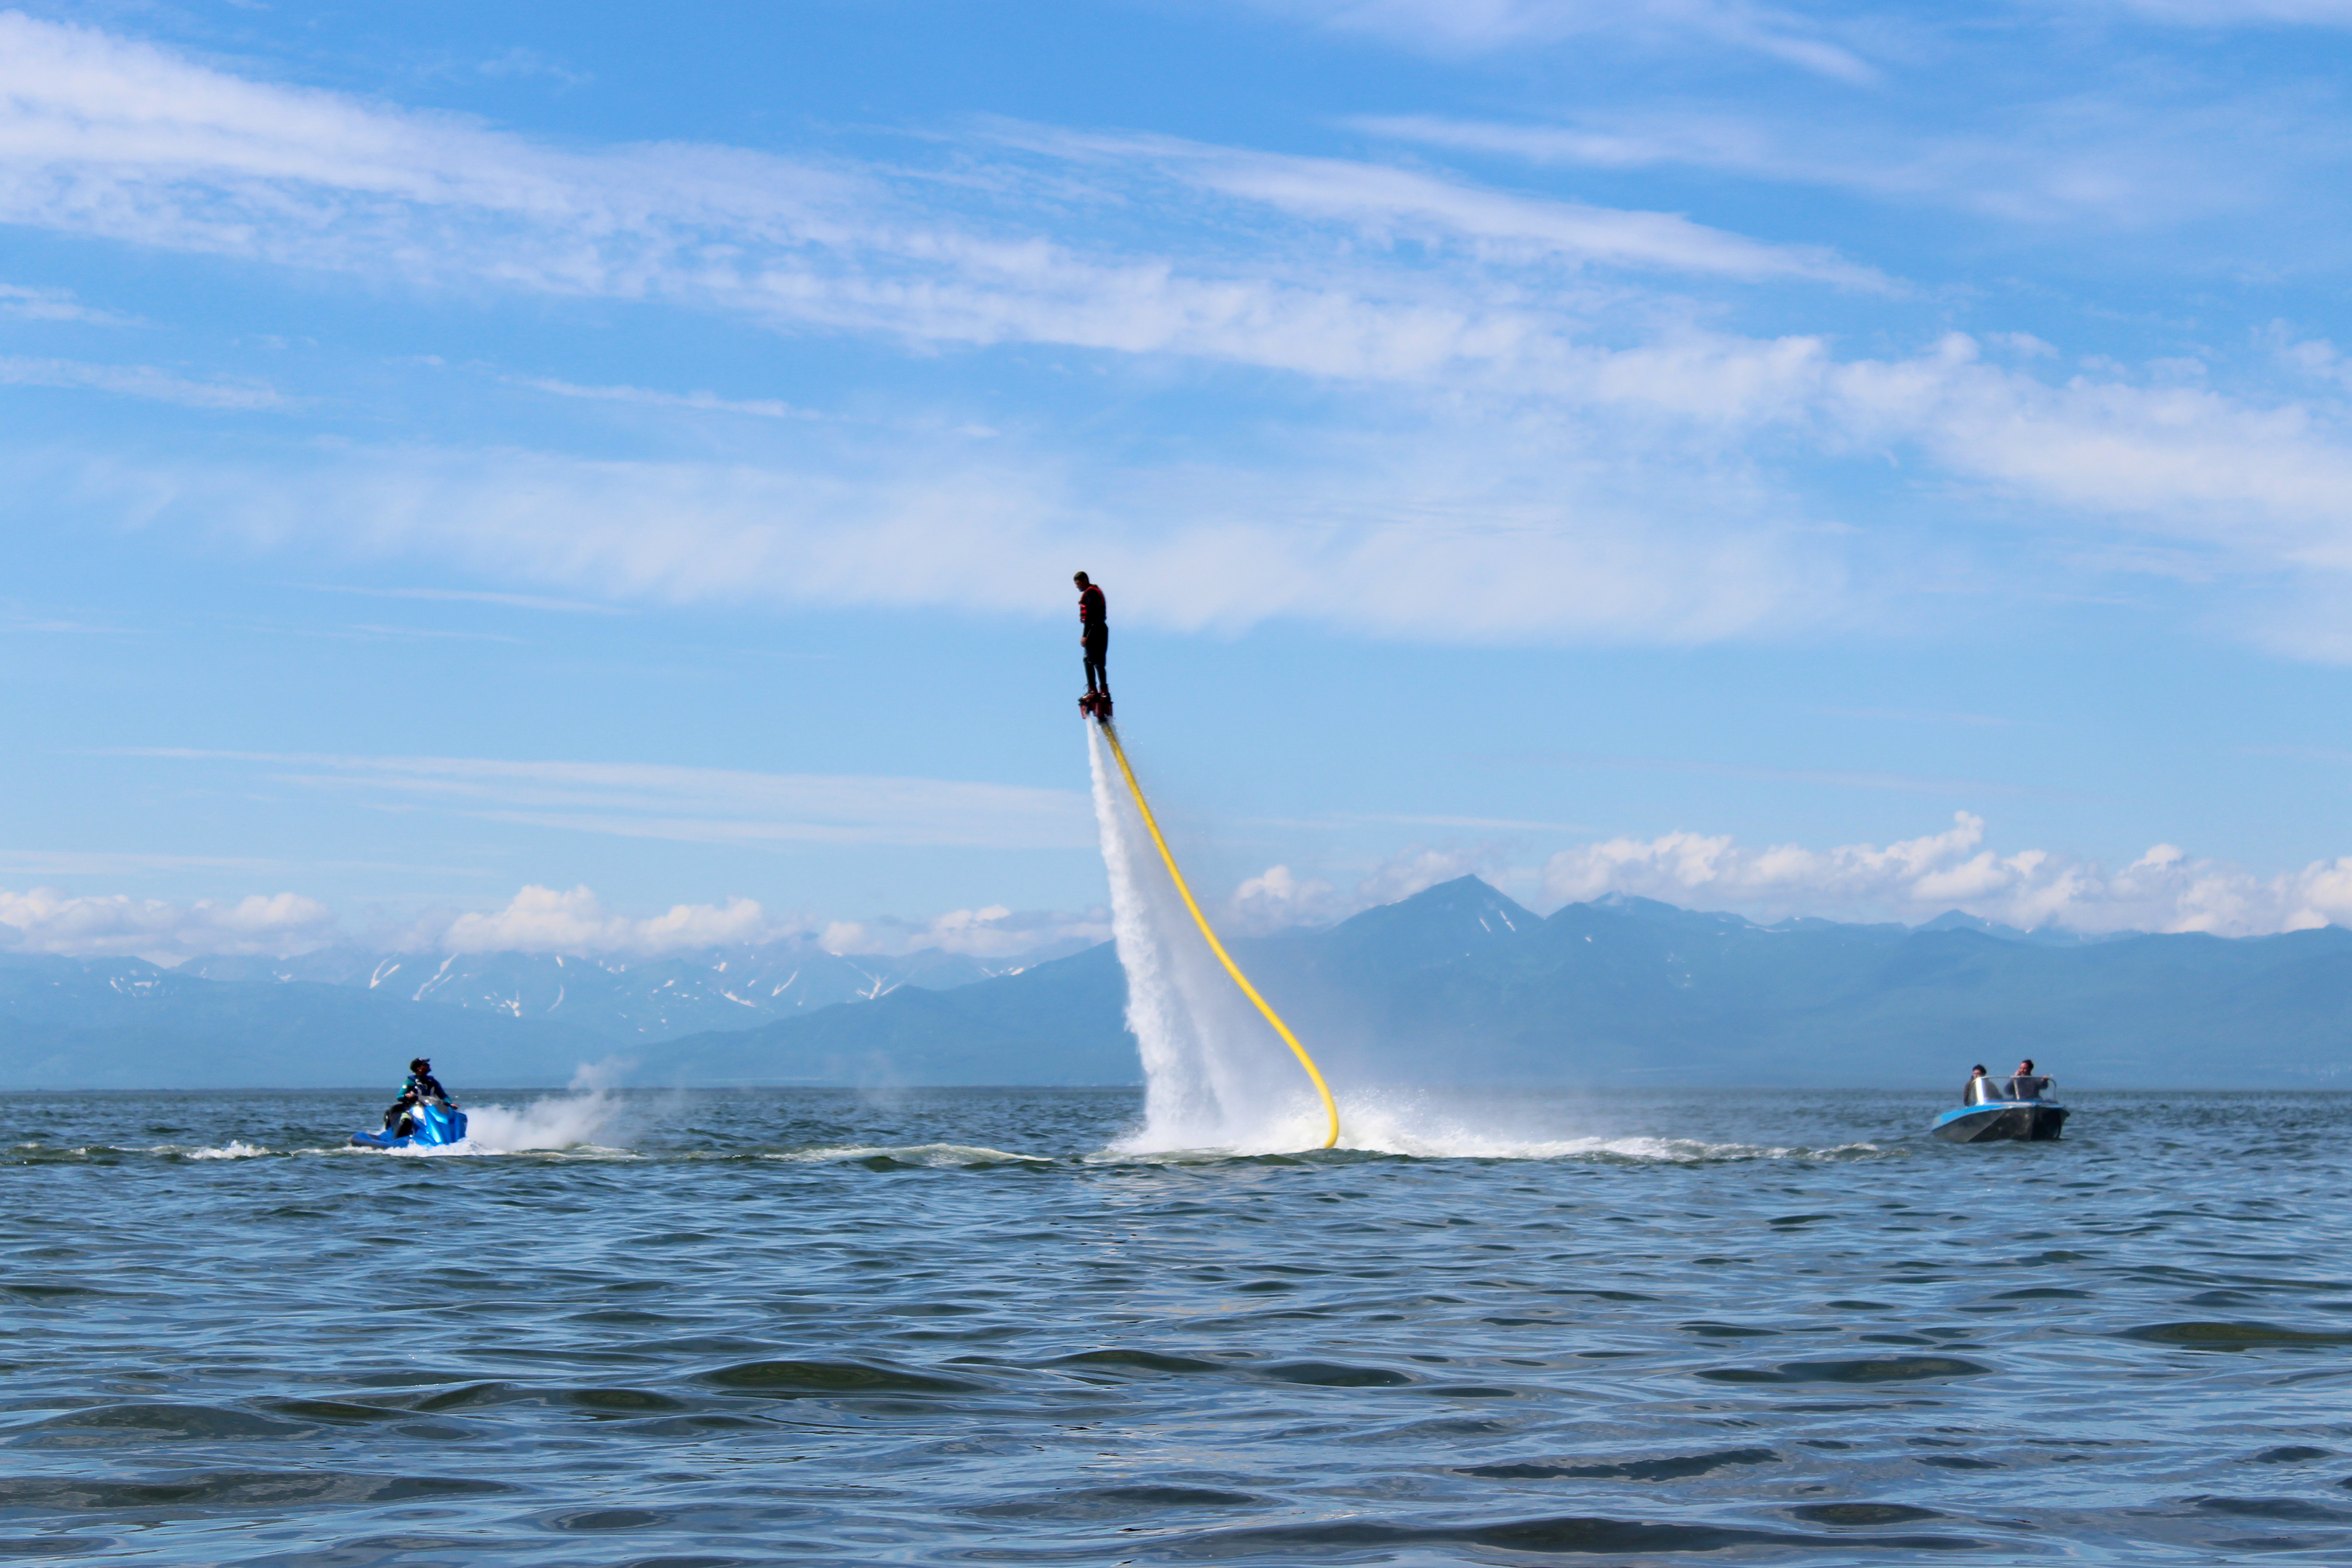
(2024, 1108)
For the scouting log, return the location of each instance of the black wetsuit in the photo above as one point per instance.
(1094, 636)
(420, 1087)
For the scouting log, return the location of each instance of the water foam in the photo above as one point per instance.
(583, 1117)
(1218, 1082)
(1216, 1077)
(932, 1155)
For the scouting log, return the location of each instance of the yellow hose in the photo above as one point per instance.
(1280, 1028)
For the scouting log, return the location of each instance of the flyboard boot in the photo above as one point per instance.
(1096, 706)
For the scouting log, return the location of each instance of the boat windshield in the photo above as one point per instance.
(2003, 1091)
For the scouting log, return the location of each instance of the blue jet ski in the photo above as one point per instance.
(428, 1124)
(2024, 1108)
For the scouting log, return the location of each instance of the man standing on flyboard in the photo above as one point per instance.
(1094, 636)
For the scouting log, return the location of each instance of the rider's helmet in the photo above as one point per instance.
(420, 1065)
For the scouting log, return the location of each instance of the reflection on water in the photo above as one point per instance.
(816, 1327)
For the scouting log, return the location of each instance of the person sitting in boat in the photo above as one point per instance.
(2027, 1085)
(1973, 1092)
(421, 1086)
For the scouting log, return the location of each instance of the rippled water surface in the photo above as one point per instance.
(947, 1327)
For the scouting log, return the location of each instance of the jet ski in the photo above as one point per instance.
(428, 1124)
(2024, 1108)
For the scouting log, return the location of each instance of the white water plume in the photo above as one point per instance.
(580, 1117)
(1219, 1081)
(1216, 1077)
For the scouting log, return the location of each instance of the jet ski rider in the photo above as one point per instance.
(421, 1086)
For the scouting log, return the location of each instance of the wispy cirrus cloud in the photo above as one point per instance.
(1383, 200)
(700, 805)
(1522, 447)
(2235, 13)
(1836, 778)
(1484, 26)
(653, 397)
(119, 140)
(2140, 159)
(30, 304)
(472, 596)
(1644, 517)
(1366, 538)
(140, 382)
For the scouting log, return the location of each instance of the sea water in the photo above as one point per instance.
(965, 1327)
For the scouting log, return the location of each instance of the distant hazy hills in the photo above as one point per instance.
(343, 1016)
(637, 1000)
(1457, 984)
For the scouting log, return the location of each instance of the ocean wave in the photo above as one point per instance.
(931, 1156)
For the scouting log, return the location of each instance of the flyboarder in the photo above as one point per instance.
(1094, 636)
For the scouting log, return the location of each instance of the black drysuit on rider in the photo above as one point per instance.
(1094, 636)
(420, 1087)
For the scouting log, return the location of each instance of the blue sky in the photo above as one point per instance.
(1825, 459)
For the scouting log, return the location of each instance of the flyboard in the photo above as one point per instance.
(1098, 707)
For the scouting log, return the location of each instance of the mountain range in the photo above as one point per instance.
(1456, 985)
(636, 1000)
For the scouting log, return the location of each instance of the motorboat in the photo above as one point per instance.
(427, 1124)
(2024, 1108)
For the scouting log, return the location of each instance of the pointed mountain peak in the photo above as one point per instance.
(1447, 912)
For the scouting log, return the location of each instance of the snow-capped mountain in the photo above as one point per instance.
(630, 999)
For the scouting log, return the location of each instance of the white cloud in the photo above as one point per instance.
(106, 137)
(694, 401)
(2202, 463)
(1485, 26)
(43, 920)
(137, 380)
(1278, 899)
(1384, 201)
(535, 920)
(1500, 534)
(994, 932)
(1420, 869)
(700, 805)
(1529, 453)
(2314, 357)
(1908, 881)
(2239, 13)
(31, 304)
(2103, 162)
(1627, 513)
(471, 596)
(1915, 879)
(544, 920)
